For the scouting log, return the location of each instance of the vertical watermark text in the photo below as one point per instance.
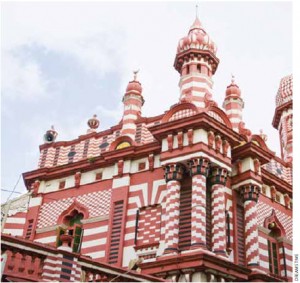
(296, 267)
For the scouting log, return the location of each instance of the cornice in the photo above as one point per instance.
(201, 120)
(250, 149)
(103, 160)
(282, 186)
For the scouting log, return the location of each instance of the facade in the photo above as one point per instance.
(189, 195)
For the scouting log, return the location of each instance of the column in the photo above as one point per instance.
(199, 168)
(250, 194)
(218, 179)
(173, 175)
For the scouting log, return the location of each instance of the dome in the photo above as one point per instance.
(93, 123)
(285, 91)
(233, 89)
(197, 38)
(134, 85)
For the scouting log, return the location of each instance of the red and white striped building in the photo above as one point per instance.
(189, 195)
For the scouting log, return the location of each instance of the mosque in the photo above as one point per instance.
(191, 195)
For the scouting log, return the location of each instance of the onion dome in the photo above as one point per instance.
(134, 86)
(233, 89)
(93, 123)
(285, 91)
(50, 135)
(197, 38)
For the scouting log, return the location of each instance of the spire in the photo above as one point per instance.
(135, 74)
(133, 102)
(196, 62)
(234, 104)
(232, 79)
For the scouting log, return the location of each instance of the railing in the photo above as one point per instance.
(21, 263)
(36, 262)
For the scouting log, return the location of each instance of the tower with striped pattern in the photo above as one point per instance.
(234, 104)
(133, 102)
(283, 117)
(196, 63)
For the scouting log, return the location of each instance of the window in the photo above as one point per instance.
(29, 229)
(66, 267)
(276, 230)
(187, 69)
(62, 184)
(277, 197)
(240, 235)
(142, 166)
(99, 176)
(273, 256)
(123, 145)
(185, 208)
(72, 227)
(199, 68)
(208, 217)
(71, 154)
(116, 228)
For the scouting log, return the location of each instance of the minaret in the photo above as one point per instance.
(133, 102)
(283, 117)
(196, 63)
(234, 104)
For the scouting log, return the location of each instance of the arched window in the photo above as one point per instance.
(273, 252)
(73, 227)
(187, 69)
(276, 231)
(199, 68)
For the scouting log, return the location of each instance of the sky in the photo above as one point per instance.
(62, 62)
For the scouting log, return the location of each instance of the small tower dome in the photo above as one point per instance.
(233, 89)
(197, 38)
(134, 86)
(93, 123)
(285, 91)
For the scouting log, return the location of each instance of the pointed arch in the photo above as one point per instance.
(272, 223)
(75, 206)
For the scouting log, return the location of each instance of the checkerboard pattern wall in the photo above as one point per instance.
(97, 203)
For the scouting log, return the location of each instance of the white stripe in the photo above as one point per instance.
(93, 243)
(96, 254)
(18, 220)
(51, 239)
(129, 236)
(94, 231)
(14, 232)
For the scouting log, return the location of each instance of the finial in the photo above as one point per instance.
(196, 10)
(135, 74)
(262, 135)
(232, 79)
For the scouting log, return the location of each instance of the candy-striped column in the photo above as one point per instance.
(199, 168)
(250, 194)
(173, 176)
(218, 180)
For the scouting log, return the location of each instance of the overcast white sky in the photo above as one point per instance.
(64, 62)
